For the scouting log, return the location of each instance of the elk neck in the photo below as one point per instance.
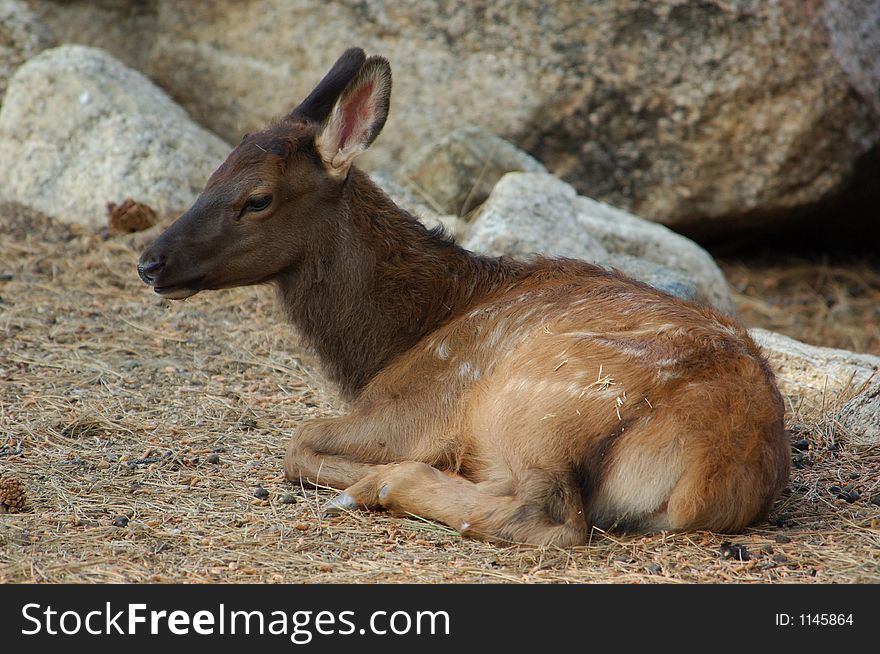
(380, 283)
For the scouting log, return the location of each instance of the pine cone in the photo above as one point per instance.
(13, 495)
(130, 216)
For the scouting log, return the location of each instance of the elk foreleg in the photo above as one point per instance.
(338, 452)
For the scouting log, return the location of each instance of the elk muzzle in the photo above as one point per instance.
(172, 281)
(149, 267)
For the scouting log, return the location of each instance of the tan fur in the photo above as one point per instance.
(513, 401)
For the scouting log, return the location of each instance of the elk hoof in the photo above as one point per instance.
(340, 504)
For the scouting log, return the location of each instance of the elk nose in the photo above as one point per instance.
(150, 267)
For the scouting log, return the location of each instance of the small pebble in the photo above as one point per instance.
(767, 548)
(288, 498)
(261, 493)
(801, 445)
(782, 521)
(213, 458)
(734, 552)
(782, 538)
(780, 558)
(655, 568)
(854, 475)
(850, 496)
(120, 521)
(836, 490)
(875, 499)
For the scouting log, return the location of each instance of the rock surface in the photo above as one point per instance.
(814, 379)
(666, 279)
(530, 213)
(22, 35)
(458, 171)
(84, 130)
(710, 116)
(860, 416)
(625, 234)
(124, 28)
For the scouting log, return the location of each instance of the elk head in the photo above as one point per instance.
(279, 194)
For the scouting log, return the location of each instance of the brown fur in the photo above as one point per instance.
(514, 401)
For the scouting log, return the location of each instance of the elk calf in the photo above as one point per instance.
(514, 401)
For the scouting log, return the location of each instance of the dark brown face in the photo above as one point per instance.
(256, 215)
(277, 196)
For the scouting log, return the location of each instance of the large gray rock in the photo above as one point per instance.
(624, 234)
(860, 416)
(457, 172)
(22, 35)
(674, 282)
(78, 129)
(124, 28)
(712, 115)
(853, 28)
(530, 213)
(823, 379)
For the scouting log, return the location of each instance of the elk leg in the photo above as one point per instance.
(337, 452)
(530, 514)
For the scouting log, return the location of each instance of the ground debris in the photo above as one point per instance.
(13, 495)
(130, 216)
(86, 395)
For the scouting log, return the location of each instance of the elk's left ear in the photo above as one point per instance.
(357, 117)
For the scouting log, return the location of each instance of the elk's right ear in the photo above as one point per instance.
(357, 117)
(319, 103)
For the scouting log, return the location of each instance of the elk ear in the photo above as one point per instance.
(317, 106)
(357, 117)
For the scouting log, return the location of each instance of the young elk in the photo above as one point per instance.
(514, 401)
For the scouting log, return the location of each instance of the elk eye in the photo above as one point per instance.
(258, 203)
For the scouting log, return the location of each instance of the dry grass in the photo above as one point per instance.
(116, 399)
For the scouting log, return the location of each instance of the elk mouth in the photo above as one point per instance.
(179, 291)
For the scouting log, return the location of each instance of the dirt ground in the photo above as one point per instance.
(142, 430)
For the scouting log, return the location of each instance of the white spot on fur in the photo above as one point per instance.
(443, 351)
(581, 334)
(497, 334)
(468, 371)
